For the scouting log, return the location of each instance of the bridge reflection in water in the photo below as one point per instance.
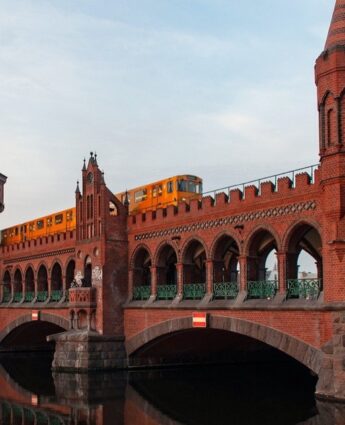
(279, 394)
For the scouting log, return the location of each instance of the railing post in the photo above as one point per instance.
(281, 257)
(179, 271)
(243, 260)
(153, 281)
(209, 277)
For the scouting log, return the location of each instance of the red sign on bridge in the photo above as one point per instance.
(199, 320)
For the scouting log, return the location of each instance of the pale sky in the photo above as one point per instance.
(222, 89)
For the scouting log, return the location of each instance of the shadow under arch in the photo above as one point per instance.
(309, 356)
(55, 324)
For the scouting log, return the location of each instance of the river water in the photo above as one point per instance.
(243, 394)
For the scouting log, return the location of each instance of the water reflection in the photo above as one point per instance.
(279, 394)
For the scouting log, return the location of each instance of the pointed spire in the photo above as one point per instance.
(84, 165)
(77, 190)
(336, 33)
(95, 162)
(126, 200)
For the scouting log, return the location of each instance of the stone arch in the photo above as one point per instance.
(187, 242)
(302, 221)
(42, 282)
(217, 238)
(304, 241)
(306, 354)
(257, 229)
(194, 257)
(87, 281)
(27, 318)
(17, 285)
(134, 253)
(142, 263)
(56, 276)
(69, 271)
(29, 282)
(7, 286)
(159, 249)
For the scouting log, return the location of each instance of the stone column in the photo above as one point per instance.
(153, 281)
(179, 270)
(243, 260)
(49, 281)
(209, 277)
(282, 281)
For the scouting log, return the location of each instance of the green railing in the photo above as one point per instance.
(29, 296)
(56, 295)
(42, 296)
(194, 291)
(262, 289)
(225, 290)
(308, 289)
(17, 297)
(6, 296)
(166, 292)
(141, 292)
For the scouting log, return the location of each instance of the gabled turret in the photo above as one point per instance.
(330, 81)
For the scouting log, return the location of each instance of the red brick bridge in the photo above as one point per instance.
(147, 274)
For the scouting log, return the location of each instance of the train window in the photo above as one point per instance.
(69, 215)
(188, 186)
(49, 221)
(40, 224)
(58, 219)
(31, 227)
(16, 231)
(170, 186)
(112, 209)
(157, 190)
(140, 195)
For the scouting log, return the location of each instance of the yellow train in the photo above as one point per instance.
(58, 222)
(149, 197)
(161, 193)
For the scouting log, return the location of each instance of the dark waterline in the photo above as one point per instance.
(281, 393)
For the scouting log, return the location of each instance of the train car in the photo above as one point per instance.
(161, 193)
(58, 222)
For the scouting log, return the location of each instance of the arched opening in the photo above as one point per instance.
(70, 273)
(87, 272)
(82, 319)
(194, 267)
(304, 263)
(17, 286)
(166, 273)
(30, 336)
(42, 284)
(6, 287)
(29, 285)
(262, 273)
(225, 268)
(56, 283)
(142, 275)
(235, 367)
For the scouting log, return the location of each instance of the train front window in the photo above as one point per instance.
(157, 191)
(189, 186)
(141, 195)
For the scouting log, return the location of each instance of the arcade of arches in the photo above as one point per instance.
(262, 267)
(41, 285)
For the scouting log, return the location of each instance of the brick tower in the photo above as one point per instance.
(100, 284)
(330, 81)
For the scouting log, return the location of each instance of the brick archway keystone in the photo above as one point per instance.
(309, 356)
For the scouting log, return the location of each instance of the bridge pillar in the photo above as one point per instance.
(331, 384)
(153, 281)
